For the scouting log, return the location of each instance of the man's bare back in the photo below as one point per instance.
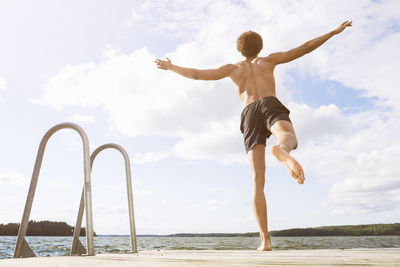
(254, 79)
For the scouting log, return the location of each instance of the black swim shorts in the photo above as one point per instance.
(257, 119)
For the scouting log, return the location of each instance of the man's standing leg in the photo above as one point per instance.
(257, 166)
(286, 142)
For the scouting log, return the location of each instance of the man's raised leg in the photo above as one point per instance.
(257, 166)
(286, 142)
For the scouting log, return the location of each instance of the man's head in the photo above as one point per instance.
(249, 44)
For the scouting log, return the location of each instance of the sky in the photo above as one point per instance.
(91, 62)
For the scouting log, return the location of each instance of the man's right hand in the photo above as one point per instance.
(342, 27)
(162, 64)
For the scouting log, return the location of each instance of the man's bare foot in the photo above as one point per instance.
(265, 244)
(294, 168)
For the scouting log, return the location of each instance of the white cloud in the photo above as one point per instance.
(364, 195)
(220, 189)
(220, 142)
(353, 152)
(363, 57)
(13, 178)
(79, 118)
(243, 220)
(140, 158)
(359, 162)
(3, 84)
(215, 204)
(211, 205)
(108, 210)
(130, 89)
(320, 124)
(142, 192)
(181, 18)
(72, 140)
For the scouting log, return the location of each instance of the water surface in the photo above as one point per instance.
(54, 245)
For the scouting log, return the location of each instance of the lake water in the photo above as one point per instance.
(53, 245)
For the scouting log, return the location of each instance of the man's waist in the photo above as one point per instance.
(253, 101)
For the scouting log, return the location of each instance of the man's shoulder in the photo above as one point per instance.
(229, 67)
(265, 59)
(239, 63)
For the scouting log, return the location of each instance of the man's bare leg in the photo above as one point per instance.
(286, 142)
(257, 166)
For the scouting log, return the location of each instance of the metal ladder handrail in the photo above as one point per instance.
(77, 247)
(22, 248)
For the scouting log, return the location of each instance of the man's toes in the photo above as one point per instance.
(300, 179)
(301, 172)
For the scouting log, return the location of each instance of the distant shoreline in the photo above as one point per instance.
(62, 229)
(340, 230)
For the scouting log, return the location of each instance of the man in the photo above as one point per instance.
(263, 113)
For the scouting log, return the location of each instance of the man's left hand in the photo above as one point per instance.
(162, 64)
(342, 27)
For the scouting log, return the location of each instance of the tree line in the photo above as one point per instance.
(344, 230)
(41, 228)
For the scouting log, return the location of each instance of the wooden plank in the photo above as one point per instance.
(249, 258)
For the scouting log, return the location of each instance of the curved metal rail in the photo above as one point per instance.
(77, 247)
(22, 248)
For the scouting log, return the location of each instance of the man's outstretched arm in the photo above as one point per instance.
(196, 74)
(307, 47)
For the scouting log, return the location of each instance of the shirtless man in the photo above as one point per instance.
(262, 114)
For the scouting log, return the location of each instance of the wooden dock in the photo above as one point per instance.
(248, 258)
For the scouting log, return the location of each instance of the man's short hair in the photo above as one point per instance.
(249, 44)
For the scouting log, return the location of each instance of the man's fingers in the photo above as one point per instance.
(348, 23)
(162, 64)
(162, 61)
(159, 61)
